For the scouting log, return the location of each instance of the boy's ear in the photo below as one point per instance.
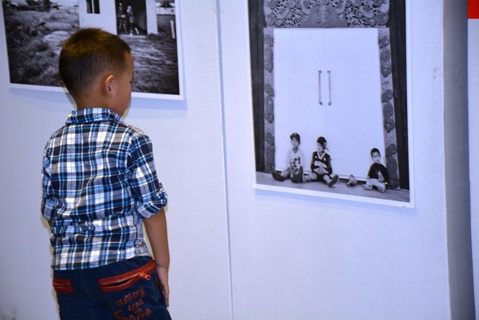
(107, 86)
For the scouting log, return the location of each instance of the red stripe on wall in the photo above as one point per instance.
(473, 9)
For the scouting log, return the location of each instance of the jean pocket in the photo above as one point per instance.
(62, 286)
(135, 294)
(126, 280)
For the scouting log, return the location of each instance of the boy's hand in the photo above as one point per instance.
(380, 177)
(321, 169)
(156, 229)
(163, 283)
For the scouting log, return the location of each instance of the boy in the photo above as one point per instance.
(294, 162)
(378, 175)
(321, 168)
(99, 186)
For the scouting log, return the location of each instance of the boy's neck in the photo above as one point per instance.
(96, 96)
(92, 101)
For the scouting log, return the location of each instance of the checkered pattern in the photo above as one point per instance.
(99, 182)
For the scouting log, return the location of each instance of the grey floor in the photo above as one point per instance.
(339, 188)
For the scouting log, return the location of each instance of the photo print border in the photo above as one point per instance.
(278, 101)
(36, 29)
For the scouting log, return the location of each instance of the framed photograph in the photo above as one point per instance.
(331, 99)
(36, 29)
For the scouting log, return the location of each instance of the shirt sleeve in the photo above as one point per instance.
(302, 158)
(47, 204)
(150, 196)
(287, 160)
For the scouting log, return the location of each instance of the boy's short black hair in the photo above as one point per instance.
(373, 150)
(88, 53)
(296, 136)
(322, 141)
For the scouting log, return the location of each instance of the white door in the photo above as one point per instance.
(327, 83)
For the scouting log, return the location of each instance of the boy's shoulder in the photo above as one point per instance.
(134, 129)
(104, 121)
(135, 134)
(377, 165)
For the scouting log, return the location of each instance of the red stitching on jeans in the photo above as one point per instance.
(63, 286)
(127, 279)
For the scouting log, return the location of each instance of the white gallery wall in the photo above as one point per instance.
(244, 254)
(188, 146)
(299, 257)
(473, 94)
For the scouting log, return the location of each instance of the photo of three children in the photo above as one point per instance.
(321, 168)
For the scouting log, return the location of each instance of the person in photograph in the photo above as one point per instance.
(132, 27)
(378, 174)
(321, 169)
(294, 162)
(100, 188)
(122, 19)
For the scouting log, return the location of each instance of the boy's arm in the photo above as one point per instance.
(371, 171)
(385, 173)
(329, 167)
(156, 230)
(313, 158)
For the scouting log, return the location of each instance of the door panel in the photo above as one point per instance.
(327, 82)
(297, 60)
(354, 118)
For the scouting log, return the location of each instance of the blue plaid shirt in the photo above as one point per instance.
(99, 183)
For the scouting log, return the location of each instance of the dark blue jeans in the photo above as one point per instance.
(119, 291)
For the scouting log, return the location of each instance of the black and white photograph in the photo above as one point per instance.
(36, 29)
(330, 99)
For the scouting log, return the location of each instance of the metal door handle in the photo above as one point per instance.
(319, 80)
(329, 87)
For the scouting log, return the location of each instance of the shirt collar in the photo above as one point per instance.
(92, 115)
